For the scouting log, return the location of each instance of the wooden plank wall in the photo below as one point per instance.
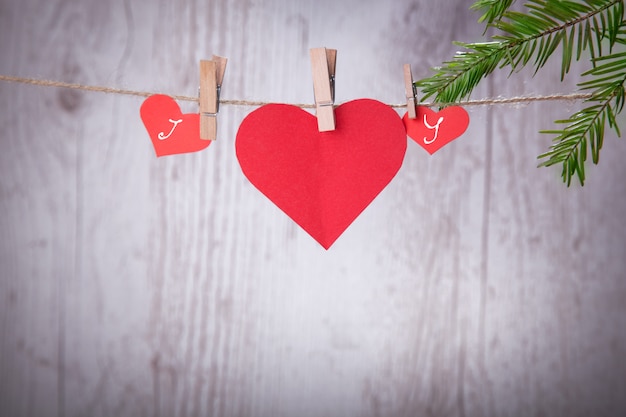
(475, 285)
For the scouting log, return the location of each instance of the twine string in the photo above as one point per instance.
(256, 103)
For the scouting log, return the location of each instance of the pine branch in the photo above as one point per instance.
(531, 38)
(585, 129)
(536, 34)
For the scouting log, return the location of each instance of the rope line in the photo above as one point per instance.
(255, 103)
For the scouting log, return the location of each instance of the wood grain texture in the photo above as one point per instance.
(474, 285)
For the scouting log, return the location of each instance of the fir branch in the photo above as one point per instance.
(531, 38)
(585, 128)
(535, 34)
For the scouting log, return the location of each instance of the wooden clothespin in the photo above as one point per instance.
(411, 92)
(211, 77)
(323, 62)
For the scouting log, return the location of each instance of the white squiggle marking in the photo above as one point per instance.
(436, 127)
(162, 136)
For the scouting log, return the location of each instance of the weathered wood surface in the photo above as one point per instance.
(475, 285)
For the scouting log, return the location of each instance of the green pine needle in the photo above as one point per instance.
(531, 38)
(494, 9)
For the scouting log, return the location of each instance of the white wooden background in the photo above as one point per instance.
(475, 285)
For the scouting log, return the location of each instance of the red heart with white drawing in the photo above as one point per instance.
(432, 130)
(171, 131)
(322, 180)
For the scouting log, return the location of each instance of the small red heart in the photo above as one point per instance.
(171, 131)
(432, 130)
(322, 180)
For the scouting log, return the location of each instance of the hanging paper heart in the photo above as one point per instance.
(171, 131)
(432, 130)
(323, 181)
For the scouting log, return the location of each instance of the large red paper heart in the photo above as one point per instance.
(171, 131)
(323, 181)
(432, 130)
